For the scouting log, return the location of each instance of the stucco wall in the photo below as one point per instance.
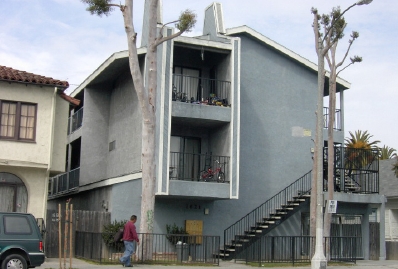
(36, 153)
(30, 160)
(125, 128)
(36, 184)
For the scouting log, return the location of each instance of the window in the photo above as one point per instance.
(18, 120)
(16, 225)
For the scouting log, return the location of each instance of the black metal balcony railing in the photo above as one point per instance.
(159, 248)
(201, 90)
(198, 167)
(64, 183)
(300, 249)
(75, 121)
(355, 171)
(337, 119)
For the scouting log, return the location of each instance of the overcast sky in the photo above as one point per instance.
(60, 39)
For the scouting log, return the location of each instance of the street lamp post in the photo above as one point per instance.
(319, 260)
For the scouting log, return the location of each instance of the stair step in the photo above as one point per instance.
(278, 212)
(276, 217)
(287, 207)
(268, 221)
(256, 229)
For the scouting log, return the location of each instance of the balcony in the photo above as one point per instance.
(75, 121)
(198, 90)
(356, 170)
(64, 183)
(198, 167)
(337, 119)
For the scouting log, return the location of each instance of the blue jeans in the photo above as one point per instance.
(129, 247)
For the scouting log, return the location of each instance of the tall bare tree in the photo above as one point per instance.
(333, 26)
(146, 93)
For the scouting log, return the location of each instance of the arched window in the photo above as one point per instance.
(13, 193)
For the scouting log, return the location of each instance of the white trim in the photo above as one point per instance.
(160, 179)
(235, 121)
(5, 162)
(203, 42)
(97, 72)
(282, 49)
(111, 181)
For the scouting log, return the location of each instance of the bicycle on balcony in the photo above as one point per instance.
(211, 174)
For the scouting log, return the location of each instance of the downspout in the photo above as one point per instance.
(50, 152)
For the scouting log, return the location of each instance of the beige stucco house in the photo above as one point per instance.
(33, 129)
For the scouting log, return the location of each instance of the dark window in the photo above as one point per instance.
(16, 225)
(18, 120)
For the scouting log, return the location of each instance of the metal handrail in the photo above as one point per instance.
(198, 89)
(300, 187)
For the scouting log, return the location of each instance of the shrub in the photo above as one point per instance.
(173, 232)
(110, 230)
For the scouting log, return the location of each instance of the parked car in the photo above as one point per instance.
(21, 243)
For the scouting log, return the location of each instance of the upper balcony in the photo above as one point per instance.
(356, 170)
(199, 90)
(200, 100)
(75, 121)
(337, 116)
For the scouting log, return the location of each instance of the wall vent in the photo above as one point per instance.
(112, 145)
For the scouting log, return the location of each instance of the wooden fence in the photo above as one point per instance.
(83, 221)
(374, 240)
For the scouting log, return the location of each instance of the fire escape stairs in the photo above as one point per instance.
(264, 225)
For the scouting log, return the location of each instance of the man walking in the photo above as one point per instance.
(130, 238)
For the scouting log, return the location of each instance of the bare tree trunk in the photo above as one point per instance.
(147, 100)
(330, 174)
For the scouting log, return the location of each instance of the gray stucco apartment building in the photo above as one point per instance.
(231, 97)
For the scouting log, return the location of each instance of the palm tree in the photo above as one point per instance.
(360, 140)
(395, 168)
(387, 153)
(360, 150)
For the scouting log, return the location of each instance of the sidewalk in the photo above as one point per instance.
(53, 263)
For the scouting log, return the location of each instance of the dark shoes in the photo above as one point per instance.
(127, 265)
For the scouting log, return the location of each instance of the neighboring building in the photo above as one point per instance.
(33, 126)
(389, 187)
(232, 96)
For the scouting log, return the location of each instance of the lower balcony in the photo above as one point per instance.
(64, 183)
(198, 167)
(199, 176)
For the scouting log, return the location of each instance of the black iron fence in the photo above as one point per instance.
(356, 170)
(299, 188)
(298, 249)
(153, 248)
(75, 121)
(201, 90)
(63, 183)
(198, 167)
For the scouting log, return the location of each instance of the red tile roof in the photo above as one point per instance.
(13, 75)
